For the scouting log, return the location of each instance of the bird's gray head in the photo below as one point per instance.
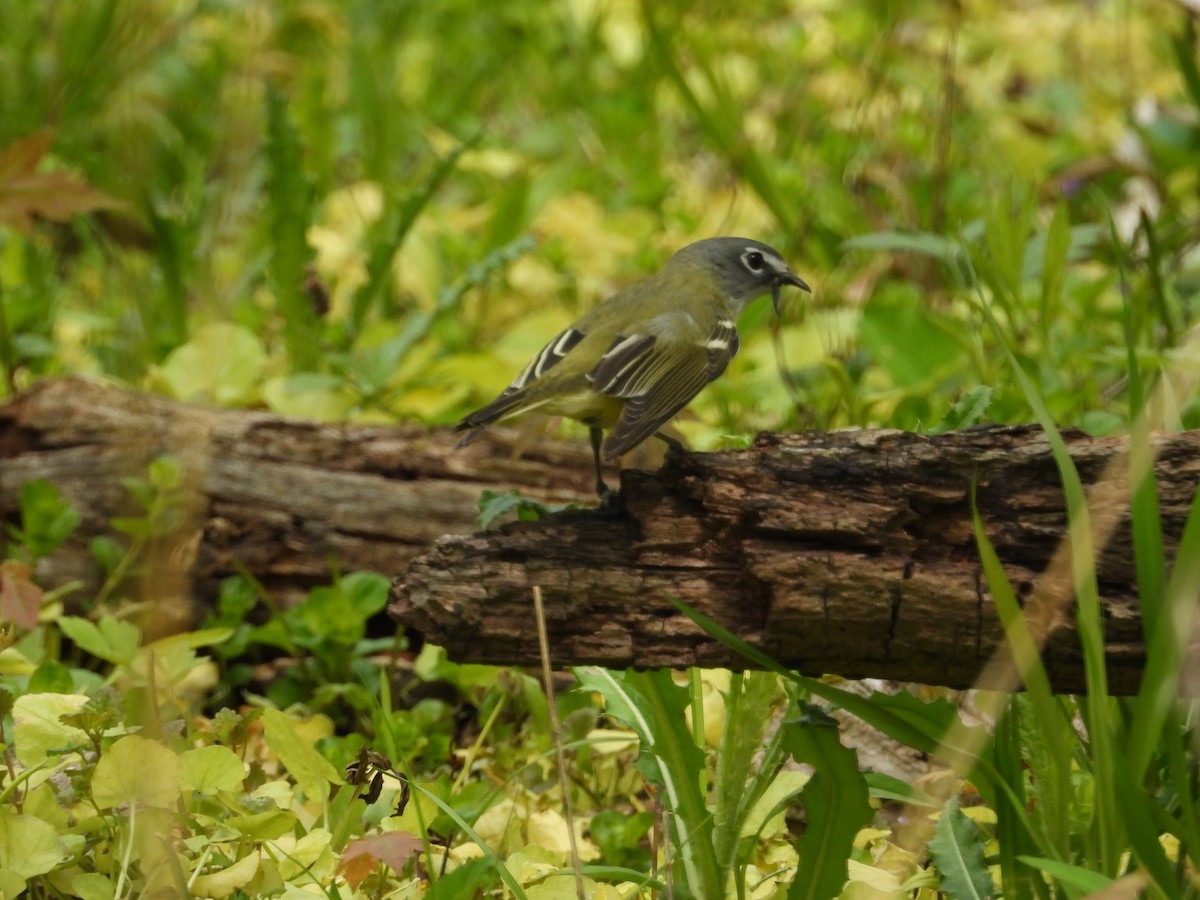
(743, 268)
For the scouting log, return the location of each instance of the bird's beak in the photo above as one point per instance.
(787, 278)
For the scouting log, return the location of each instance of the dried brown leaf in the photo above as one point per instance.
(26, 194)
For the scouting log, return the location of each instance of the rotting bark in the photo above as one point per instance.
(283, 499)
(850, 553)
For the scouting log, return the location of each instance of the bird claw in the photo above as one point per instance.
(675, 449)
(610, 501)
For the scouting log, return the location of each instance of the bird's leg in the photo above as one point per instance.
(606, 494)
(674, 447)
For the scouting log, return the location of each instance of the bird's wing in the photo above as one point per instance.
(513, 397)
(657, 375)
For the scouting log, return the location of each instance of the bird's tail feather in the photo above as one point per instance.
(509, 403)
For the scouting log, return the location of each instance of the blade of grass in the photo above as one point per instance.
(506, 876)
(1056, 731)
(1166, 648)
(1083, 542)
(926, 735)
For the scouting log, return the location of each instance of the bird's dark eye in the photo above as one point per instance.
(754, 261)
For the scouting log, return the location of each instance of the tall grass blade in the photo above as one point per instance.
(1110, 831)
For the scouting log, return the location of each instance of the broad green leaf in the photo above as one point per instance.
(211, 769)
(28, 845)
(46, 519)
(891, 327)
(323, 398)
(470, 879)
(957, 851)
(136, 769)
(51, 677)
(339, 611)
(311, 853)
(112, 639)
(313, 772)
(11, 884)
(93, 886)
(836, 805)
(221, 364)
(38, 731)
(772, 802)
(967, 410)
(264, 826)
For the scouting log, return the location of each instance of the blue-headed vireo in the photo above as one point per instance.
(632, 362)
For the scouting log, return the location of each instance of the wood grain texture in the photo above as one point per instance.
(848, 553)
(285, 499)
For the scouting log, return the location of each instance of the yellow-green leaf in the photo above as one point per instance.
(93, 886)
(211, 769)
(221, 364)
(229, 879)
(37, 729)
(313, 772)
(136, 769)
(28, 846)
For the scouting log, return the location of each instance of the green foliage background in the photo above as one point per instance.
(402, 154)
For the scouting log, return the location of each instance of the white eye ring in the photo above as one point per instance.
(753, 260)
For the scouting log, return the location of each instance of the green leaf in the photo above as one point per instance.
(165, 472)
(136, 769)
(51, 677)
(289, 213)
(492, 506)
(46, 519)
(29, 846)
(836, 804)
(891, 327)
(106, 552)
(112, 640)
(741, 780)
(264, 826)
(920, 242)
(222, 363)
(967, 410)
(1084, 880)
(339, 612)
(38, 730)
(324, 398)
(93, 886)
(470, 879)
(313, 772)
(619, 835)
(957, 851)
(211, 769)
(888, 787)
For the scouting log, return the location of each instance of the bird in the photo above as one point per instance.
(633, 361)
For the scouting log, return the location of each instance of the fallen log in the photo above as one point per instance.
(850, 553)
(285, 500)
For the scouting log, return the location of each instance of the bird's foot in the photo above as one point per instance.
(610, 500)
(674, 447)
